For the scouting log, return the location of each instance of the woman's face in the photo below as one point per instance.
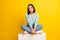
(31, 9)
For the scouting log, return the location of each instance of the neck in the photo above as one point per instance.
(31, 13)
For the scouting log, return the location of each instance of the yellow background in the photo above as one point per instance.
(12, 16)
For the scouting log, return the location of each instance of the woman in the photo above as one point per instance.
(32, 21)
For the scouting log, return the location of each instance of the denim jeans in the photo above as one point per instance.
(28, 29)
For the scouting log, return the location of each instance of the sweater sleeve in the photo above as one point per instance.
(28, 20)
(36, 20)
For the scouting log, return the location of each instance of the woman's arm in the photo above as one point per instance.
(36, 21)
(29, 21)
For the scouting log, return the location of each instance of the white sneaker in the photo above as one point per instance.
(25, 32)
(40, 31)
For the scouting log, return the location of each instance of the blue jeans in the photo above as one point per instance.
(28, 29)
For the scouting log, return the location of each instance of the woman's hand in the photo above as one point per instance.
(33, 31)
(34, 28)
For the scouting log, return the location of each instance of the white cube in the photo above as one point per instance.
(32, 37)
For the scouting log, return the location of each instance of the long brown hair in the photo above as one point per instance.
(28, 8)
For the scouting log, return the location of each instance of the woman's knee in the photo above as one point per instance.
(23, 26)
(40, 25)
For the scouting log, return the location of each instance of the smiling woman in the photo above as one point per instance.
(32, 21)
(30, 9)
(12, 16)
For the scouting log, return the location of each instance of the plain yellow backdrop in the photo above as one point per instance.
(12, 16)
